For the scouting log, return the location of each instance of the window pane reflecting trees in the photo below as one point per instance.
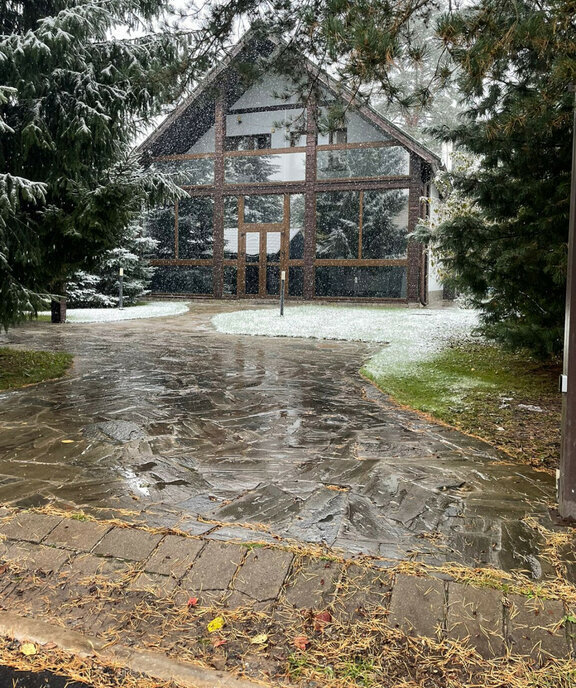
(337, 224)
(385, 224)
(195, 227)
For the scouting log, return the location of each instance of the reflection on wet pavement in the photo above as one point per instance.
(175, 420)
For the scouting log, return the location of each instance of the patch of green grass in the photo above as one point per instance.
(356, 671)
(19, 368)
(484, 390)
(79, 516)
(297, 664)
(361, 671)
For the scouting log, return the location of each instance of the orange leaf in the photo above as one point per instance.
(192, 602)
(301, 642)
(321, 619)
(218, 641)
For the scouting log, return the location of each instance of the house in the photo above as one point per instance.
(279, 183)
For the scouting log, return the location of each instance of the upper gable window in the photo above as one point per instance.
(248, 142)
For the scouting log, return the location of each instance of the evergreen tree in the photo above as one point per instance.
(71, 97)
(424, 75)
(100, 287)
(507, 251)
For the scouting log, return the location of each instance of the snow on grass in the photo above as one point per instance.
(155, 309)
(411, 334)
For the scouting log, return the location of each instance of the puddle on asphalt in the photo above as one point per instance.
(173, 420)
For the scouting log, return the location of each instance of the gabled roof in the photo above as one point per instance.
(198, 106)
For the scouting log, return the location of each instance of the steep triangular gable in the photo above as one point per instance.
(171, 137)
(197, 111)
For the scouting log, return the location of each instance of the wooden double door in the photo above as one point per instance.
(263, 225)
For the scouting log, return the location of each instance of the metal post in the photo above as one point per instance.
(567, 473)
(121, 294)
(282, 287)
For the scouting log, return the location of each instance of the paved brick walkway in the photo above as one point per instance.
(128, 585)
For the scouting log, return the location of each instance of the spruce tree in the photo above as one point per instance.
(72, 98)
(99, 288)
(507, 249)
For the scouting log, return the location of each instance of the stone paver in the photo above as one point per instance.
(181, 426)
(174, 556)
(77, 535)
(214, 568)
(31, 527)
(534, 627)
(113, 593)
(262, 574)
(161, 586)
(90, 566)
(127, 543)
(364, 591)
(313, 584)
(476, 615)
(417, 606)
(37, 557)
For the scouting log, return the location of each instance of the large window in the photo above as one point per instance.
(389, 161)
(187, 171)
(249, 169)
(231, 227)
(296, 239)
(385, 224)
(362, 225)
(182, 279)
(337, 224)
(386, 282)
(160, 224)
(264, 209)
(195, 228)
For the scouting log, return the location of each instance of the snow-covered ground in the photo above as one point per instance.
(155, 309)
(411, 334)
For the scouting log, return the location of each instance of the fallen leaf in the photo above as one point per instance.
(216, 624)
(3, 569)
(49, 646)
(259, 639)
(67, 441)
(192, 602)
(218, 641)
(321, 619)
(28, 649)
(301, 642)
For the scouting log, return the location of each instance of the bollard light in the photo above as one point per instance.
(121, 289)
(282, 287)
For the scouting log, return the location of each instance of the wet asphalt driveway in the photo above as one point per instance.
(174, 420)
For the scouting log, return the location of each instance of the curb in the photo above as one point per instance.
(154, 665)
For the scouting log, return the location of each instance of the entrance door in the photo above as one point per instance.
(263, 223)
